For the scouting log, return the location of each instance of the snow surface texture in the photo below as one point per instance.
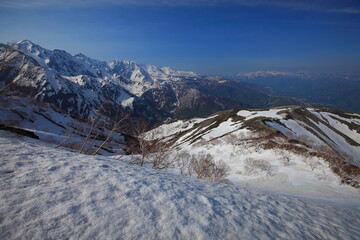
(52, 193)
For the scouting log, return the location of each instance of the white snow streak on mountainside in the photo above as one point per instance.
(293, 127)
(271, 113)
(222, 129)
(47, 193)
(333, 120)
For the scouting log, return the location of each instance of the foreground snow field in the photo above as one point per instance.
(53, 193)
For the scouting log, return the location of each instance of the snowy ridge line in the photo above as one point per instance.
(84, 65)
(316, 132)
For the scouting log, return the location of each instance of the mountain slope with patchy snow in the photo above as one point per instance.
(291, 150)
(52, 193)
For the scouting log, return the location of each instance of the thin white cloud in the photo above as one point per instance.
(334, 6)
(345, 10)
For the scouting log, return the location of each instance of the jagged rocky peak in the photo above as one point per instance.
(26, 44)
(32, 49)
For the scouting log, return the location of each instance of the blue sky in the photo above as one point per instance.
(213, 36)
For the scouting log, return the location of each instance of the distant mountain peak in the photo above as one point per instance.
(25, 41)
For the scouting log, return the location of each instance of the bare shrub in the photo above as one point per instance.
(91, 148)
(340, 164)
(265, 134)
(141, 145)
(326, 152)
(183, 161)
(69, 136)
(72, 145)
(230, 139)
(313, 164)
(305, 139)
(236, 138)
(257, 146)
(285, 157)
(221, 170)
(270, 144)
(216, 141)
(253, 166)
(160, 157)
(203, 166)
(93, 121)
(241, 136)
(201, 142)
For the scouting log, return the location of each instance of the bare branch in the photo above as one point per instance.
(88, 135)
(120, 117)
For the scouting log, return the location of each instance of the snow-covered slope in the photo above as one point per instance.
(55, 126)
(293, 150)
(48, 193)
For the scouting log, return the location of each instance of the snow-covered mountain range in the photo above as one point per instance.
(82, 86)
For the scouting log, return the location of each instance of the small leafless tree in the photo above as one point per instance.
(69, 136)
(202, 163)
(90, 148)
(253, 166)
(93, 124)
(221, 170)
(183, 161)
(160, 156)
(285, 157)
(120, 118)
(142, 146)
